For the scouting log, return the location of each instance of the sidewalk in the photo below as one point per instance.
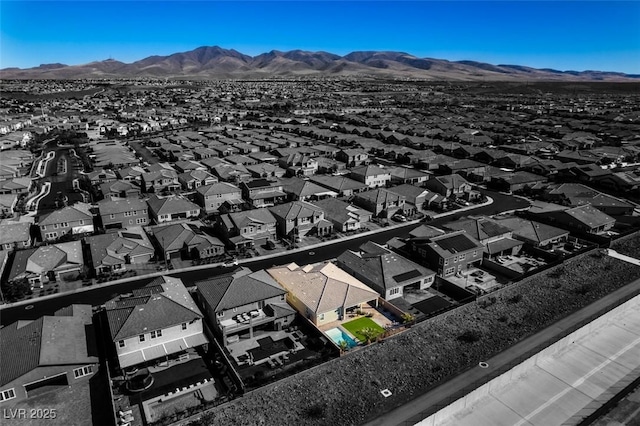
(240, 261)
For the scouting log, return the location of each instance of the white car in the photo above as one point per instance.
(230, 263)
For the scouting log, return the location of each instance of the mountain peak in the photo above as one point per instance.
(218, 62)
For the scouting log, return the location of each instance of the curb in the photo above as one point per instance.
(240, 261)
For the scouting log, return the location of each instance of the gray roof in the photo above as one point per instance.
(240, 288)
(49, 340)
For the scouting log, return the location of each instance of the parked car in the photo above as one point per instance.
(399, 218)
(230, 263)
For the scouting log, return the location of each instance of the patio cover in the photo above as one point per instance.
(132, 358)
(502, 245)
(195, 340)
(154, 352)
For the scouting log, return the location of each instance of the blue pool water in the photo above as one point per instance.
(337, 335)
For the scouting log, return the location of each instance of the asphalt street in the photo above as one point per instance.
(100, 295)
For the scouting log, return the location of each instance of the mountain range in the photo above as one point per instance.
(215, 62)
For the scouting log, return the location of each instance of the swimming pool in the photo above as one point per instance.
(337, 335)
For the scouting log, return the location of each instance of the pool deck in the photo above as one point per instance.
(377, 317)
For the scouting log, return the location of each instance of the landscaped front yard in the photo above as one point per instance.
(364, 329)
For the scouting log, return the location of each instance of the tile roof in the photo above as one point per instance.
(171, 204)
(380, 267)
(340, 211)
(14, 232)
(296, 209)
(163, 303)
(78, 211)
(531, 230)
(240, 288)
(323, 287)
(46, 258)
(480, 228)
(244, 218)
(381, 196)
(338, 183)
(121, 205)
(218, 188)
(48, 340)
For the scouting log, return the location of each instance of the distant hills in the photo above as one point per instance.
(216, 62)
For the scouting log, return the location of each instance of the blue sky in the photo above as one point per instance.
(570, 35)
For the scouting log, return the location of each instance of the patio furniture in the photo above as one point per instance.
(254, 314)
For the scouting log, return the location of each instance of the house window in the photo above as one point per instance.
(141, 220)
(112, 216)
(440, 261)
(394, 290)
(220, 314)
(321, 317)
(455, 259)
(446, 261)
(82, 371)
(184, 325)
(462, 257)
(144, 211)
(44, 227)
(475, 253)
(156, 333)
(121, 343)
(81, 222)
(55, 226)
(449, 271)
(7, 394)
(141, 337)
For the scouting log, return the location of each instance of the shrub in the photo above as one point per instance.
(470, 336)
(315, 411)
(557, 273)
(515, 298)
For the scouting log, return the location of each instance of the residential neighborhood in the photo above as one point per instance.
(226, 239)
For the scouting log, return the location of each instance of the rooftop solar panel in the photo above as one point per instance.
(405, 276)
(456, 243)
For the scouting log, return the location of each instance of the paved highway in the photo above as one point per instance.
(100, 295)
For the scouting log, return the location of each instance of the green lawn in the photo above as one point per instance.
(356, 326)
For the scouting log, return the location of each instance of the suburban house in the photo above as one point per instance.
(266, 170)
(15, 235)
(47, 263)
(53, 353)
(385, 271)
(408, 175)
(341, 185)
(534, 234)
(299, 164)
(382, 202)
(211, 197)
(299, 218)
(155, 323)
(344, 216)
(15, 185)
(242, 302)
(373, 176)
(99, 177)
(576, 194)
(131, 174)
(323, 292)
(416, 199)
(448, 253)
(186, 240)
(451, 185)
(114, 251)
(353, 157)
(120, 189)
(584, 218)
(171, 208)
(497, 239)
(304, 190)
(123, 212)
(516, 181)
(262, 192)
(246, 229)
(234, 173)
(193, 179)
(75, 219)
(164, 179)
